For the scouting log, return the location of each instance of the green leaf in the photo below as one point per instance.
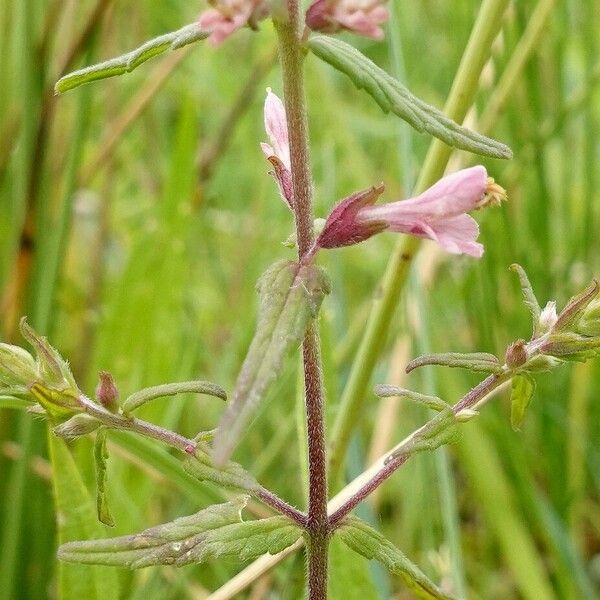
(523, 386)
(171, 389)
(13, 402)
(432, 402)
(392, 96)
(368, 542)
(76, 520)
(441, 429)
(474, 361)
(215, 532)
(130, 61)
(290, 296)
(100, 458)
(528, 296)
(349, 576)
(232, 475)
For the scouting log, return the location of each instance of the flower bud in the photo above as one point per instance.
(575, 308)
(52, 369)
(465, 415)
(278, 151)
(570, 346)
(589, 323)
(516, 354)
(107, 392)
(359, 16)
(77, 426)
(17, 367)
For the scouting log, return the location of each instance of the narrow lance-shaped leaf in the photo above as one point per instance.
(528, 295)
(100, 458)
(441, 429)
(365, 540)
(290, 296)
(523, 387)
(432, 402)
(77, 520)
(130, 61)
(171, 389)
(475, 361)
(231, 475)
(214, 532)
(392, 96)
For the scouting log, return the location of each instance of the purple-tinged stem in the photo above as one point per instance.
(281, 506)
(365, 491)
(397, 458)
(116, 421)
(291, 58)
(317, 524)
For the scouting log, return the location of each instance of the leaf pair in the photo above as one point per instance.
(214, 532)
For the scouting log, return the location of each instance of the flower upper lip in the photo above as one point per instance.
(278, 151)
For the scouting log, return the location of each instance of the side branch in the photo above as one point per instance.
(396, 458)
(183, 444)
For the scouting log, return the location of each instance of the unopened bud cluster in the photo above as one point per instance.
(47, 384)
(45, 379)
(571, 335)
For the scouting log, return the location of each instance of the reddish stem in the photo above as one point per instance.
(317, 525)
(397, 458)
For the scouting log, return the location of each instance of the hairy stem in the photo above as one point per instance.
(317, 522)
(317, 525)
(397, 458)
(291, 56)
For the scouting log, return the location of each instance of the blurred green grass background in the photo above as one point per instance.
(133, 237)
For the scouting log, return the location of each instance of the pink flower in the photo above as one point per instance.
(439, 213)
(278, 152)
(360, 16)
(227, 16)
